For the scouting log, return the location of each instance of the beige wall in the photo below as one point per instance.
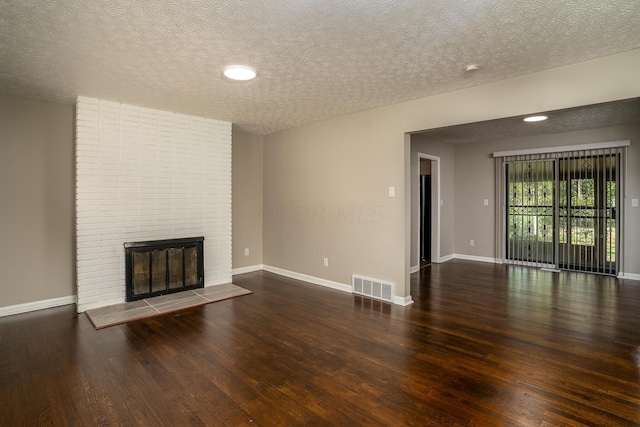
(247, 199)
(352, 160)
(475, 181)
(36, 201)
(326, 195)
(420, 144)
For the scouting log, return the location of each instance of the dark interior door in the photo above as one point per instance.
(425, 219)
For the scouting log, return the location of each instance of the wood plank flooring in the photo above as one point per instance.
(483, 345)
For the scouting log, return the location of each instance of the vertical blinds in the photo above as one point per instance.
(560, 209)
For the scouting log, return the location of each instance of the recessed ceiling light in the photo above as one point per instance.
(239, 72)
(535, 118)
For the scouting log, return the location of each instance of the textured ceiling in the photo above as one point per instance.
(573, 119)
(316, 59)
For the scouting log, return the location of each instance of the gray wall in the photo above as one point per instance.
(475, 178)
(247, 199)
(326, 195)
(335, 172)
(37, 260)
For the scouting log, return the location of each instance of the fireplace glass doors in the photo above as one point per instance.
(163, 266)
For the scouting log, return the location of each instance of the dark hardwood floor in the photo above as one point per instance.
(483, 345)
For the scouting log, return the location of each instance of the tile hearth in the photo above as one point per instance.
(129, 311)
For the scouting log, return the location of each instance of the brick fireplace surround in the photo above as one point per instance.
(144, 174)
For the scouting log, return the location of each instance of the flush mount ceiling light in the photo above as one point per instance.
(470, 71)
(535, 118)
(471, 68)
(239, 73)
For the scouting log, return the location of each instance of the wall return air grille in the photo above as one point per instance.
(373, 288)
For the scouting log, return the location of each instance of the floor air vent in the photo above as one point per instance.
(373, 288)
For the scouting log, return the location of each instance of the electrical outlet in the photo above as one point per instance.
(472, 242)
(246, 251)
(326, 262)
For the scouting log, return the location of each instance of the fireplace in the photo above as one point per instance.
(161, 267)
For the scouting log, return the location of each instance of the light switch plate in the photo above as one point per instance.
(634, 203)
(486, 202)
(392, 191)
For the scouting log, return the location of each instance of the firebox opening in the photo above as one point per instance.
(161, 267)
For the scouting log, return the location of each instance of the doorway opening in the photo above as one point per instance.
(426, 225)
(425, 212)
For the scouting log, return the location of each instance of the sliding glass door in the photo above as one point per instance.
(562, 212)
(587, 214)
(531, 211)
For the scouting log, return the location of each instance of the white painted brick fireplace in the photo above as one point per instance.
(145, 174)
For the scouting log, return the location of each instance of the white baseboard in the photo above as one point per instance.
(476, 258)
(248, 269)
(629, 276)
(414, 269)
(403, 301)
(307, 278)
(37, 305)
(447, 258)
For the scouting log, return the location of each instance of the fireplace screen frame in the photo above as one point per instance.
(135, 250)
